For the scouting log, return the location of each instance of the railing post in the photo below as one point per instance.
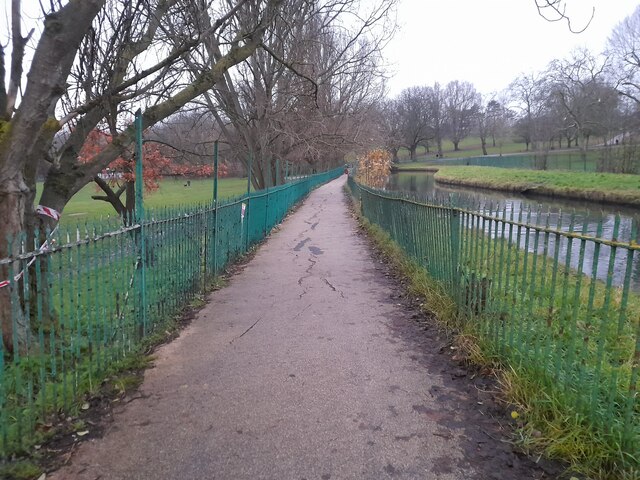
(454, 226)
(249, 167)
(139, 211)
(215, 208)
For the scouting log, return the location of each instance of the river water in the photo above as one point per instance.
(587, 218)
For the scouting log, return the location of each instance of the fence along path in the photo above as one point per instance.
(92, 294)
(538, 298)
(305, 366)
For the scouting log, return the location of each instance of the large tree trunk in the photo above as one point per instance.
(25, 139)
(394, 153)
(483, 141)
(15, 205)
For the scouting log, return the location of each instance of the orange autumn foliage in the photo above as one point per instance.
(374, 168)
(155, 164)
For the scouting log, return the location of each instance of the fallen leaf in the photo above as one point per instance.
(82, 433)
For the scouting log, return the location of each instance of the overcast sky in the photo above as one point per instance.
(489, 42)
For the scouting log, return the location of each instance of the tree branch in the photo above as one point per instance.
(558, 9)
(294, 70)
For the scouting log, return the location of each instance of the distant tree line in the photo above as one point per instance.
(572, 102)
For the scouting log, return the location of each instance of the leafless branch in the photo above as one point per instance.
(556, 11)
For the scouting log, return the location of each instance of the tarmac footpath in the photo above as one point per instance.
(308, 365)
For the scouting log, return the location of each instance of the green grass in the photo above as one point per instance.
(172, 192)
(469, 147)
(609, 187)
(612, 159)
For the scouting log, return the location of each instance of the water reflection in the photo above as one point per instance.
(589, 218)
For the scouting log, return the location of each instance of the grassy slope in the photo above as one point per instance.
(607, 187)
(172, 192)
(469, 147)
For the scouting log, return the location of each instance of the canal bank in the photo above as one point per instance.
(606, 188)
(587, 217)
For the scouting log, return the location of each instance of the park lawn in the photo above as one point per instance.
(605, 187)
(556, 160)
(172, 192)
(469, 147)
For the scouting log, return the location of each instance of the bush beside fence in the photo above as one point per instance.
(97, 291)
(536, 298)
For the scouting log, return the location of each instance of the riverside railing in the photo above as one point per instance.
(514, 282)
(602, 159)
(95, 292)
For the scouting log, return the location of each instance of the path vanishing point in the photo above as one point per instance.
(310, 364)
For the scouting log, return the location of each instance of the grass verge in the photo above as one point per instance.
(546, 421)
(172, 193)
(600, 187)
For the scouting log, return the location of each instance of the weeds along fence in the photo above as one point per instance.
(101, 290)
(536, 298)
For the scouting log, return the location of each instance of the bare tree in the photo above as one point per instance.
(461, 105)
(624, 50)
(438, 118)
(390, 122)
(577, 83)
(306, 95)
(483, 122)
(528, 98)
(413, 111)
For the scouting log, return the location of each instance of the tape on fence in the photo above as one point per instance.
(42, 210)
(48, 212)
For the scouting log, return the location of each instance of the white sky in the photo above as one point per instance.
(490, 42)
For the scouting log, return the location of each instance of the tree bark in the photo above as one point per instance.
(15, 199)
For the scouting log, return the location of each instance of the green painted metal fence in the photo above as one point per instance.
(97, 291)
(536, 297)
(612, 159)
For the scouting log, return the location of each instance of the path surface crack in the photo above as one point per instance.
(332, 287)
(246, 331)
(307, 275)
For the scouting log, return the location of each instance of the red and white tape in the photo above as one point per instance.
(49, 212)
(43, 247)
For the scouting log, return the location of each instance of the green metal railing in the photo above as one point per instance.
(607, 159)
(536, 297)
(97, 291)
